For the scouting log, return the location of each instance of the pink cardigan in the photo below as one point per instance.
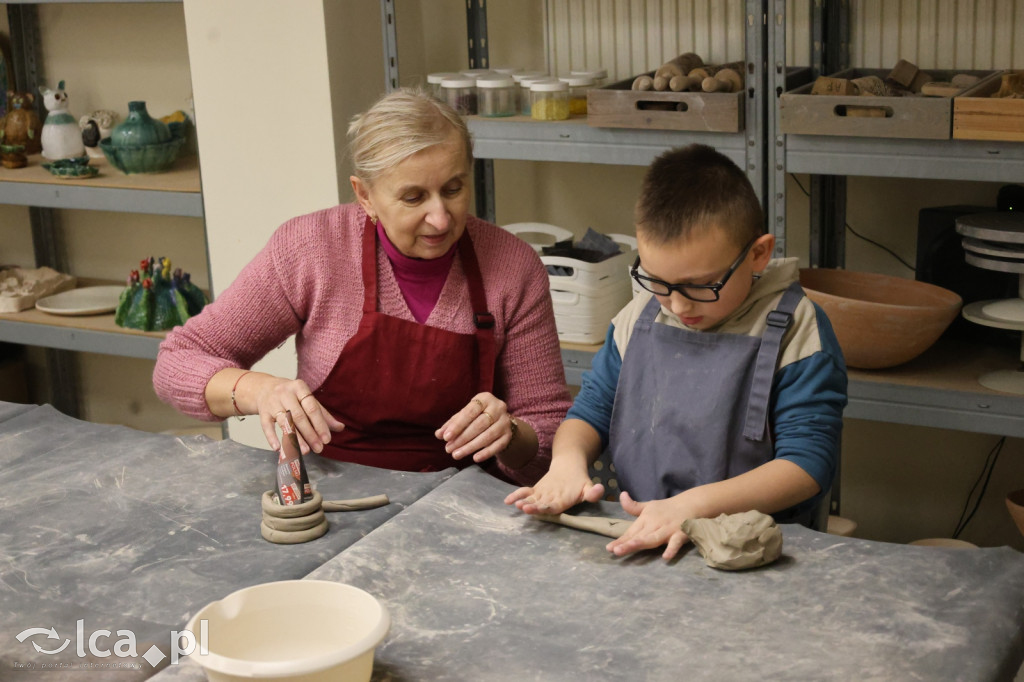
(306, 282)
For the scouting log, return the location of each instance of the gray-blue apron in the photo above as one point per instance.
(692, 407)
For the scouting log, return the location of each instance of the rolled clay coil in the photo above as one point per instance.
(295, 523)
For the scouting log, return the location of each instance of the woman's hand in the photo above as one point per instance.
(558, 490)
(274, 396)
(658, 523)
(483, 428)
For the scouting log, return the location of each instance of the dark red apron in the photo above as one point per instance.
(397, 381)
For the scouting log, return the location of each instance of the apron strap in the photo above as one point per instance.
(482, 319)
(779, 320)
(369, 267)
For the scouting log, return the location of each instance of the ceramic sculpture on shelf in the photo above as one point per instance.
(13, 156)
(61, 136)
(157, 300)
(141, 143)
(96, 126)
(21, 124)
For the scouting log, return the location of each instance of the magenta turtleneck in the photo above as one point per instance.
(419, 280)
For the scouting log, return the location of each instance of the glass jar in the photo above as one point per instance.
(460, 94)
(578, 87)
(434, 82)
(496, 96)
(523, 79)
(600, 76)
(549, 100)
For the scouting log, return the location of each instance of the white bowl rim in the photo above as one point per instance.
(276, 669)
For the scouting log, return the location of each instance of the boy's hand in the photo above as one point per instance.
(556, 492)
(659, 522)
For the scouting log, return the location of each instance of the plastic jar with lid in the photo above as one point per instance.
(496, 96)
(476, 73)
(525, 81)
(460, 94)
(578, 86)
(549, 100)
(434, 82)
(505, 70)
(600, 76)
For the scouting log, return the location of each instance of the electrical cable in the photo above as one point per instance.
(858, 234)
(986, 474)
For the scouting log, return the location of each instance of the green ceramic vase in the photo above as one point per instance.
(139, 128)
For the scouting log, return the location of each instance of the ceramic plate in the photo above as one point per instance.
(84, 301)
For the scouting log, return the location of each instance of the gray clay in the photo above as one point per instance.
(736, 541)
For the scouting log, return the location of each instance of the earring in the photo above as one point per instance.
(373, 219)
(756, 276)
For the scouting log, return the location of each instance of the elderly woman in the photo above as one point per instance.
(425, 336)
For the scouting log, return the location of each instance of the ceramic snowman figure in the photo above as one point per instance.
(61, 138)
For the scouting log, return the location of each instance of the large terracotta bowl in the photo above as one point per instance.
(880, 321)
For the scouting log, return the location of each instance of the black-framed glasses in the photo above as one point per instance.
(703, 293)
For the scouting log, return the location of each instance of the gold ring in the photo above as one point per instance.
(489, 417)
(304, 397)
(279, 413)
(477, 401)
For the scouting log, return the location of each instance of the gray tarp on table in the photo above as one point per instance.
(478, 591)
(137, 531)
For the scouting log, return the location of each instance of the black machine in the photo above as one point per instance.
(940, 261)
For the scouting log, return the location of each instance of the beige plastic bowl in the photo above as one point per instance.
(295, 630)
(880, 321)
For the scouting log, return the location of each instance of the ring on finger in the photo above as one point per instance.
(485, 413)
(304, 397)
(478, 402)
(279, 413)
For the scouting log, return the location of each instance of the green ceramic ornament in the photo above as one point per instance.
(156, 300)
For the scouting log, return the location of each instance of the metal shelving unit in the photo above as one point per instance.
(176, 192)
(940, 388)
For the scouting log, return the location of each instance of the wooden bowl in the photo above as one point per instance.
(880, 321)
(1015, 503)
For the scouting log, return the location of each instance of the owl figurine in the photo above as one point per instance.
(21, 124)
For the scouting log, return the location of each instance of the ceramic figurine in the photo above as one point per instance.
(156, 299)
(5, 79)
(21, 124)
(61, 136)
(13, 156)
(96, 126)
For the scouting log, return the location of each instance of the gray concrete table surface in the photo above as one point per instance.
(479, 591)
(126, 530)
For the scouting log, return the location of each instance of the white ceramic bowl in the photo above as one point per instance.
(296, 630)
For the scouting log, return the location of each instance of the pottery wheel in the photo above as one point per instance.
(995, 241)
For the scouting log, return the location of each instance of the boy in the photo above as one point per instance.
(720, 388)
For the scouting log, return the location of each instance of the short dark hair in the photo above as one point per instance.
(687, 189)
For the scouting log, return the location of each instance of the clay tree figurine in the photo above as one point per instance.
(62, 138)
(21, 125)
(156, 299)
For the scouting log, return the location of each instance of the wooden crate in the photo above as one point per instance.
(977, 116)
(913, 117)
(617, 106)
